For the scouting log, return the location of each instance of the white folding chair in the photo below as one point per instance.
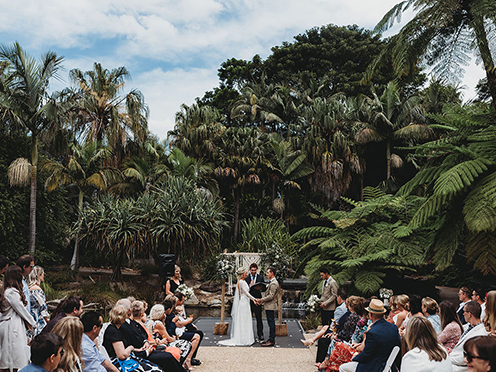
(391, 359)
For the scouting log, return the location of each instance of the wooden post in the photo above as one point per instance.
(281, 329)
(221, 328)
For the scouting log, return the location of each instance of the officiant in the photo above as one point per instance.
(257, 285)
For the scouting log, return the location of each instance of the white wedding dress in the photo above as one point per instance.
(241, 323)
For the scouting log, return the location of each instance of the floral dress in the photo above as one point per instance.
(342, 352)
(39, 311)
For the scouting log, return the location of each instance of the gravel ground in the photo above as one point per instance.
(246, 359)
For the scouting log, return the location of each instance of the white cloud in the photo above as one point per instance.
(165, 91)
(191, 37)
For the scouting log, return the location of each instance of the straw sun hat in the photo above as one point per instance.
(376, 307)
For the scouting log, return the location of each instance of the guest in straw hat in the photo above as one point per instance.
(380, 340)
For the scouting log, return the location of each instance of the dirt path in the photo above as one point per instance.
(247, 359)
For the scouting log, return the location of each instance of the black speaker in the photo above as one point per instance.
(167, 263)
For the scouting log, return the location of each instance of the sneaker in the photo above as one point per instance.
(195, 362)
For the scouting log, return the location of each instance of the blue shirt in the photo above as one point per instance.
(436, 322)
(340, 311)
(25, 290)
(91, 356)
(33, 368)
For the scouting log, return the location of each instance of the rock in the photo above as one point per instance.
(214, 303)
(192, 301)
(211, 286)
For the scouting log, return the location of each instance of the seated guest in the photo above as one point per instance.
(71, 306)
(341, 300)
(380, 340)
(394, 309)
(480, 353)
(134, 335)
(403, 305)
(324, 336)
(156, 327)
(187, 322)
(430, 309)
(93, 360)
(342, 348)
(171, 322)
(464, 295)
(46, 351)
(451, 326)
(479, 296)
(123, 357)
(39, 310)
(489, 319)
(356, 310)
(423, 352)
(473, 328)
(138, 316)
(71, 330)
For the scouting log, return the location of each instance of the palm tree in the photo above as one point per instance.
(328, 141)
(196, 130)
(242, 159)
(24, 99)
(103, 114)
(84, 171)
(290, 166)
(443, 32)
(393, 118)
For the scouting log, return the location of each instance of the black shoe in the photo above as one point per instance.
(195, 362)
(268, 343)
(260, 338)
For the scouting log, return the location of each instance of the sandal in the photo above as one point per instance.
(187, 365)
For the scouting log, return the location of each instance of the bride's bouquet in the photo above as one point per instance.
(186, 291)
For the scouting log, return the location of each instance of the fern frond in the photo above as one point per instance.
(460, 176)
(480, 206)
(423, 177)
(481, 248)
(431, 207)
(372, 193)
(369, 282)
(313, 232)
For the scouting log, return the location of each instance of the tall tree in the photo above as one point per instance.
(83, 170)
(443, 32)
(393, 118)
(25, 100)
(103, 114)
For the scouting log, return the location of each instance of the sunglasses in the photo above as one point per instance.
(470, 357)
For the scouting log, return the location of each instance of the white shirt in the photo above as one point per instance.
(417, 360)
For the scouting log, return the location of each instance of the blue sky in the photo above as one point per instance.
(173, 48)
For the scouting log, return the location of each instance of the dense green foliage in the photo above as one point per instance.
(286, 145)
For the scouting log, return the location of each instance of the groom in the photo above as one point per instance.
(270, 302)
(256, 283)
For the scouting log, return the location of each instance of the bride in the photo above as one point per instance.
(242, 326)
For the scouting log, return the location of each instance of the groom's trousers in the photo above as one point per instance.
(257, 310)
(271, 321)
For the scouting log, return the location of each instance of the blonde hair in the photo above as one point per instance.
(173, 299)
(431, 305)
(404, 301)
(71, 329)
(420, 333)
(118, 315)
(489, 320)
(34, 276)
(138, 309)
(157, 311)
(175, 269)
(240, 273)
(393, 302)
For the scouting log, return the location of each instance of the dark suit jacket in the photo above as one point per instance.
(253, 291)
(133, 336)
(379, 342)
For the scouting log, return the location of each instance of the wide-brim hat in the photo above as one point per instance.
(376, 307)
